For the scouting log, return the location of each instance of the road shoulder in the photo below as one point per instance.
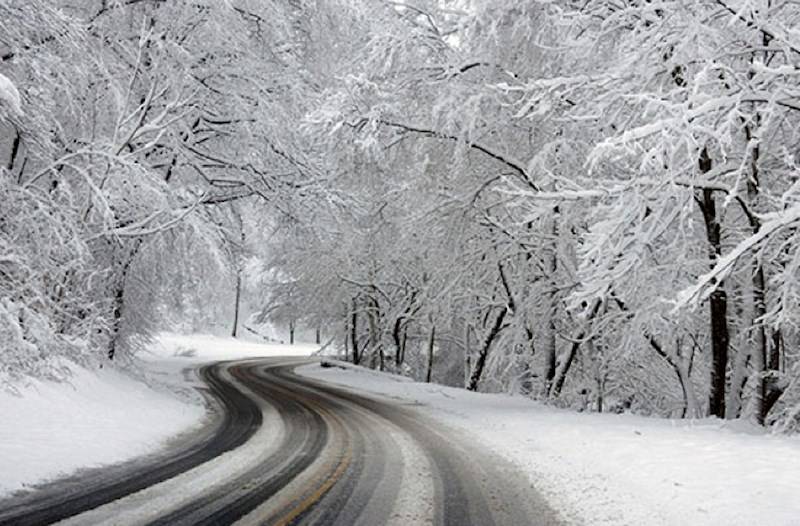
(611, 469)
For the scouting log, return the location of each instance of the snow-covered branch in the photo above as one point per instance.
(708, 282)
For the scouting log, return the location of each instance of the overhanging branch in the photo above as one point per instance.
(515, 165)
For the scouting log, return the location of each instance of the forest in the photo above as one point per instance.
(594, 204)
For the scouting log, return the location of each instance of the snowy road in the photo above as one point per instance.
(291, 450)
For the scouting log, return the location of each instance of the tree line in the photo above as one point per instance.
(590, 203)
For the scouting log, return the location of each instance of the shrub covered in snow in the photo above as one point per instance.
(42, 313)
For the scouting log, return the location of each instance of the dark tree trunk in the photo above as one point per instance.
(354, 332)
(719, 352)
(563, 371)
(431, 343)
(483, 352)
(398, 341)
(558, 382)
(346, 336)
(119, 300)
(235, 329)
(403, 343)
(776, 351)
(773, 390)
(116, 318)
(14, 151)
(761, 352)
(291, 333)
(526, 377)
(549, 348)
(718, 301)
(497, 327)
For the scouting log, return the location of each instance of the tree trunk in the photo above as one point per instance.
(563, 370)
(354, 332)
(375, 343)
(403, 344)
(718, 301)
(14, 150)
(739, 373)
(119, 299)
(467, 353)
(238, 256)
(549, 348)
(235, 329)
(561, 374)
(291, 332)
(346, 337)
(317, 336)
(526, 377)
(398, 342)
(116, 318)
(483, 352)
(760, 352)
(431, 342)
(683, 373)
(773, 389)
(690, 397)
(776, 355)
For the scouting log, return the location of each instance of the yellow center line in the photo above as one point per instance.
(327, 483)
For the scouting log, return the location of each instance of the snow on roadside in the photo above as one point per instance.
(198, 348)
(99, 417)
(616, 469)
(105, 416)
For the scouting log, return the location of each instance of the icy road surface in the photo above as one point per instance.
(286, 449)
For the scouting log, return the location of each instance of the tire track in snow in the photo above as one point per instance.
(239, 418)
(310, 453)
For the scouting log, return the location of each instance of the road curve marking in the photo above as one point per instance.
(313, 487)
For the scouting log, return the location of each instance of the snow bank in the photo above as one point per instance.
(617, 469)
(100, 417)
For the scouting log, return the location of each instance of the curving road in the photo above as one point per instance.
(285, 449)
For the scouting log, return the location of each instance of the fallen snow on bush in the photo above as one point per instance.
(616, 469)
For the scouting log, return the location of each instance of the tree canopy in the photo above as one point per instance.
(594, 204)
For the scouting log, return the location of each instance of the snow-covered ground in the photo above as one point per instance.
(616, 469)
(99, 417)
(105, 416)
(595, 469)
